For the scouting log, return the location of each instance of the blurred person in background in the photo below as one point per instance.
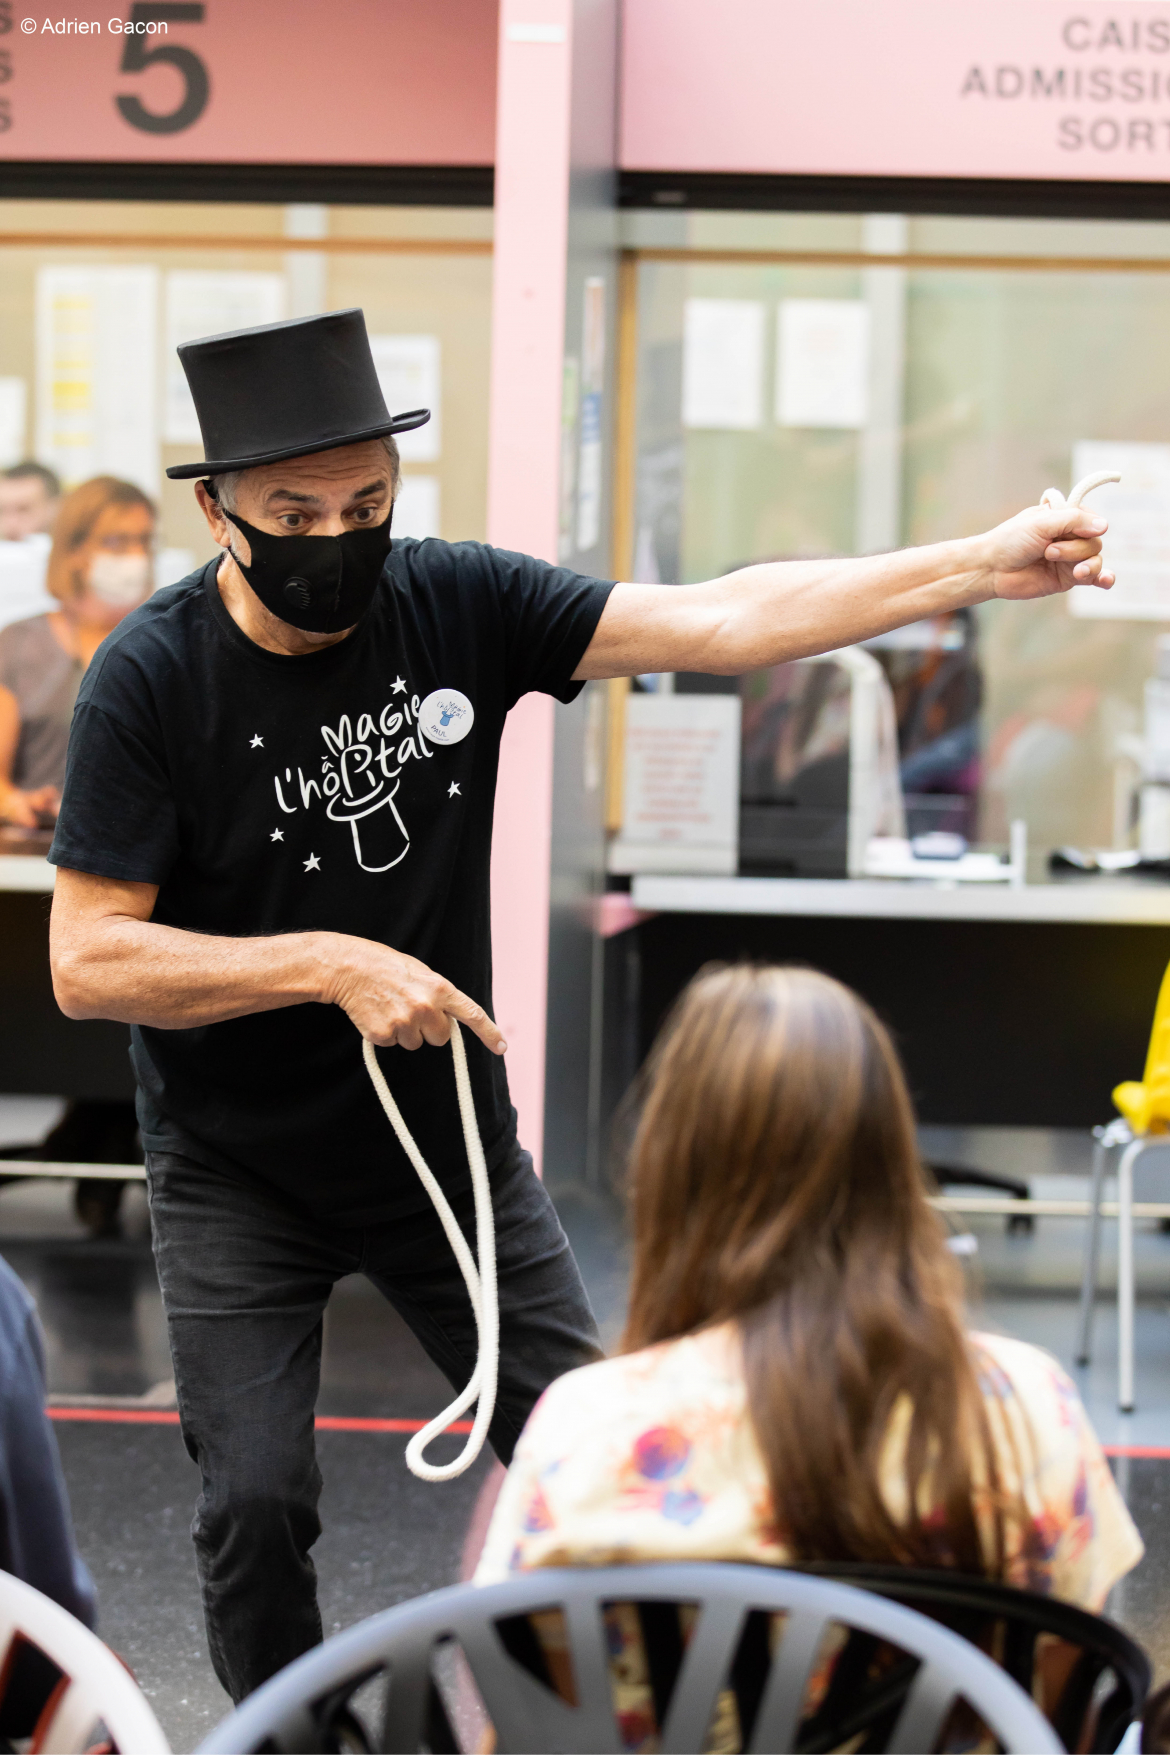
(30, 496)
(36, 1530)
(100, 568)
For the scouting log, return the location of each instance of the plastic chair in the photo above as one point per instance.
(1144, 1126)
(1011, 1625)
(61, 1689)
(888, 1679)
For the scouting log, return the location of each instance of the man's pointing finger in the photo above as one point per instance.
(476, 1019)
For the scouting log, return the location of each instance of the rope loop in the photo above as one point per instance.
(481, 1283)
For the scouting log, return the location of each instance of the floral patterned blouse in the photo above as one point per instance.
(652, 1456)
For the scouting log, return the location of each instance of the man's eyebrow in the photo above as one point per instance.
(283, 493)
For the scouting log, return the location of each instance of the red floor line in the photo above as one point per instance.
(348, 1423)
(168, 1417)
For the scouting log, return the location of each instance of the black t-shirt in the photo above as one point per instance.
(350, 790)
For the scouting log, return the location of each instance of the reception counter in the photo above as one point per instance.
(1018, 1006)
(41, 1052)
(1012, 1005)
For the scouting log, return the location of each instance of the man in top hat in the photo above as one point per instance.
(274, 840)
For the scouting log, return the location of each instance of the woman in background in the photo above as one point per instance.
(99, 570)
(797, 1383)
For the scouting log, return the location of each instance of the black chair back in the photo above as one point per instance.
(1089, 1677)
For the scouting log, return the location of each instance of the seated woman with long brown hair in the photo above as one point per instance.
(796, 1382)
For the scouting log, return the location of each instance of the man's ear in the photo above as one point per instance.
(213, 512)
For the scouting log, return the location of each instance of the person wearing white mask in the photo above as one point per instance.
(100, 568)
(30, 496)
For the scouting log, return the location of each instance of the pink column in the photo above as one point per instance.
(528, 318)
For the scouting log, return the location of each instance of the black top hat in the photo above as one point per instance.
(284, 390)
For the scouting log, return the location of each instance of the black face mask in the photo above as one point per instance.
(321, 584)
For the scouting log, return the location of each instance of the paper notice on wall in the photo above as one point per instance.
(96, 377)
(592, 387)
(13, 419)
(416, 510)
(681, 793)
(723, 364)
(409, 369)
(822, 379)
(570, 412)
(201, 302)
(1137, 545)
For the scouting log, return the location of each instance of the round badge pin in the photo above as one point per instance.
(446, 716)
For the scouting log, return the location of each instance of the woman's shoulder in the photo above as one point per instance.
(26, 643)
(32, 631)
(669, 1377)
(1038, 1420)
(1008, 1367)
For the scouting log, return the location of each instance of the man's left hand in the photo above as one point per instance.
(1045, 550)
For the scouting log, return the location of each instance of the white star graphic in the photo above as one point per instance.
(257, 743)
(453, 789)
(277, 835)
(312, 863)
(399, 686)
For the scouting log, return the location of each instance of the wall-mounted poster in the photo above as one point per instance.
(1137, 546)
(96, 358)
(723, 364)
(13, 420)
(592, 386)
(204, 302)
(417, 508)
(822, 376)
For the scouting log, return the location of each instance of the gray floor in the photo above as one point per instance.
(388, 1536)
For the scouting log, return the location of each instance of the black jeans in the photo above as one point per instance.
(245, 1279)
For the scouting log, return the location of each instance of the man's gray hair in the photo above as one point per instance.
(226, 487)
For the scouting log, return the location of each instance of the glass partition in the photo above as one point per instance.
(94, 295)
(829, 384)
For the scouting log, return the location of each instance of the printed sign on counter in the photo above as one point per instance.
(681, 807)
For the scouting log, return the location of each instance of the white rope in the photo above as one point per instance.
(1053, 496)
(481, 1285)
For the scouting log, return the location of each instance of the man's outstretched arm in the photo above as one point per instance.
(111, 960)
(791, 609)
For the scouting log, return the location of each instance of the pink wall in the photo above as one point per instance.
(528, 319)
(355, 82)
(943, 88)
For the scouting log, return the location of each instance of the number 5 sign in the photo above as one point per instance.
(245, 82)
(139, 51)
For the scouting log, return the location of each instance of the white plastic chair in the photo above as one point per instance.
(95, 1689)
(1118, 1136)
(905, 1706)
